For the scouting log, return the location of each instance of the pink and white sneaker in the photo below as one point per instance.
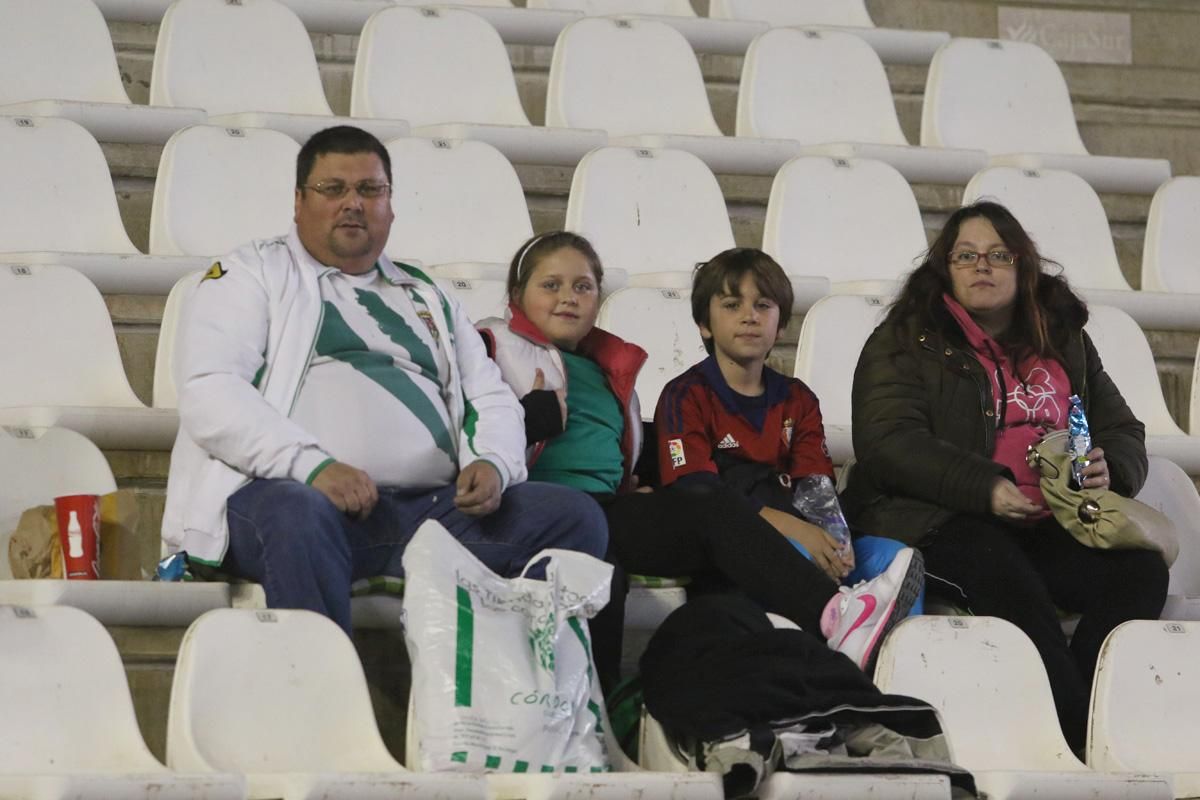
(858, 617)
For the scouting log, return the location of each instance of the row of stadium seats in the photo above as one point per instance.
(810, 91)
(652, 214)
(729, 28)
(238, 728)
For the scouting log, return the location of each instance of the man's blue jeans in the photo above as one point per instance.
(290, 538)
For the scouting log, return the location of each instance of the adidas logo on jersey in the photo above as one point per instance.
(728, 443)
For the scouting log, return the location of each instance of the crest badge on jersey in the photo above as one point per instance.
(215, 272)
(675, 450)
(427, 318)
(789, 427)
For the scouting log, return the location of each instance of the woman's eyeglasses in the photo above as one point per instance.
(996, 259)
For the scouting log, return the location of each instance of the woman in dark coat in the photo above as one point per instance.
(976, 360)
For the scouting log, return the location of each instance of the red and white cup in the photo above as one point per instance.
(79, 533)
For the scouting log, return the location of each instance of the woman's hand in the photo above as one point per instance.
(1095, 474)
(1008, 502)
(539, 382)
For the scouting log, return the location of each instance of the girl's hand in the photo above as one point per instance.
(539, 382)
(824, 549)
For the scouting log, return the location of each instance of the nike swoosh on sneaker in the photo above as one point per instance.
(869, 602)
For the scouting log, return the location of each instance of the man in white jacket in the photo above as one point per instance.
(331, 401)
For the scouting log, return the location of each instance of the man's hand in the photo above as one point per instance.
(478, 489)
(350, 489)
(1008, 503)
(539, 382)
(824, 549)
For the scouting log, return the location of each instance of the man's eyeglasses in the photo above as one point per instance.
(996, 259)
(336, 190)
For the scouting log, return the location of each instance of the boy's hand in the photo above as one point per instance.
(824, 549)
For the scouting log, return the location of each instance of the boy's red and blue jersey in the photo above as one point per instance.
(699, 416)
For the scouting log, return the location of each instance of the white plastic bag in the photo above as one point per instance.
(502, 673)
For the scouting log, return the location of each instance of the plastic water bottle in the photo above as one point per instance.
(817, 502)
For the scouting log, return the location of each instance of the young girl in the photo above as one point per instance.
(584, 429)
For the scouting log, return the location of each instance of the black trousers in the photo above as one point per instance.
(1022, 574)
(705, 532)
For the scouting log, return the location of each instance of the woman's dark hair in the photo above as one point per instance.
(1046, 309)
(722, 275)
(544, 244)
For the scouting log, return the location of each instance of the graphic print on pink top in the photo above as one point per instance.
(1029, 402)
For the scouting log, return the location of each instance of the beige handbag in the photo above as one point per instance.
(1098, 517)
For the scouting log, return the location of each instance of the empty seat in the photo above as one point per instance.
(725, 36)
(656, 214)
(66, 211)
(1169, 489)
(660, 321)
(165, 394)
(536, 26)
(401, 73)
(280, 696)
(819, 205)
(68, 729)
(1144, 701)
(57, 60)
(987, 682)
(831, 339)
(1010, 99)
(828, 90)
(1173, 238)
(598, 79)
(481, 297)
(218, 188)
(893, 45)
(250, 64)
(455, 202)
(1064, 216)
(1129, 361)
(62, 367)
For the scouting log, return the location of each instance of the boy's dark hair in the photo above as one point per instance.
(343, 139)
(723, 274)
(526, 259)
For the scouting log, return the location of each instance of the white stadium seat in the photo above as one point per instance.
(987, 682)
(68, 731)
(660, 321)
(1010, 99)
(249, 65)
(1064, 216)
(893, 45)
(1144, 702)
(62, 366)
(165, 395)
(831, 339)
(723, 36)
(52, 69)
(63, 176)
(816, 215)
(598, 80)
(1128, 360)
(1169, 257)
(219, 188)
(528, 26)
(656, 214)
(481, 297)
(280, 696)
(455, 202)
(827, 89)
(401, 72)
(1169, 489)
